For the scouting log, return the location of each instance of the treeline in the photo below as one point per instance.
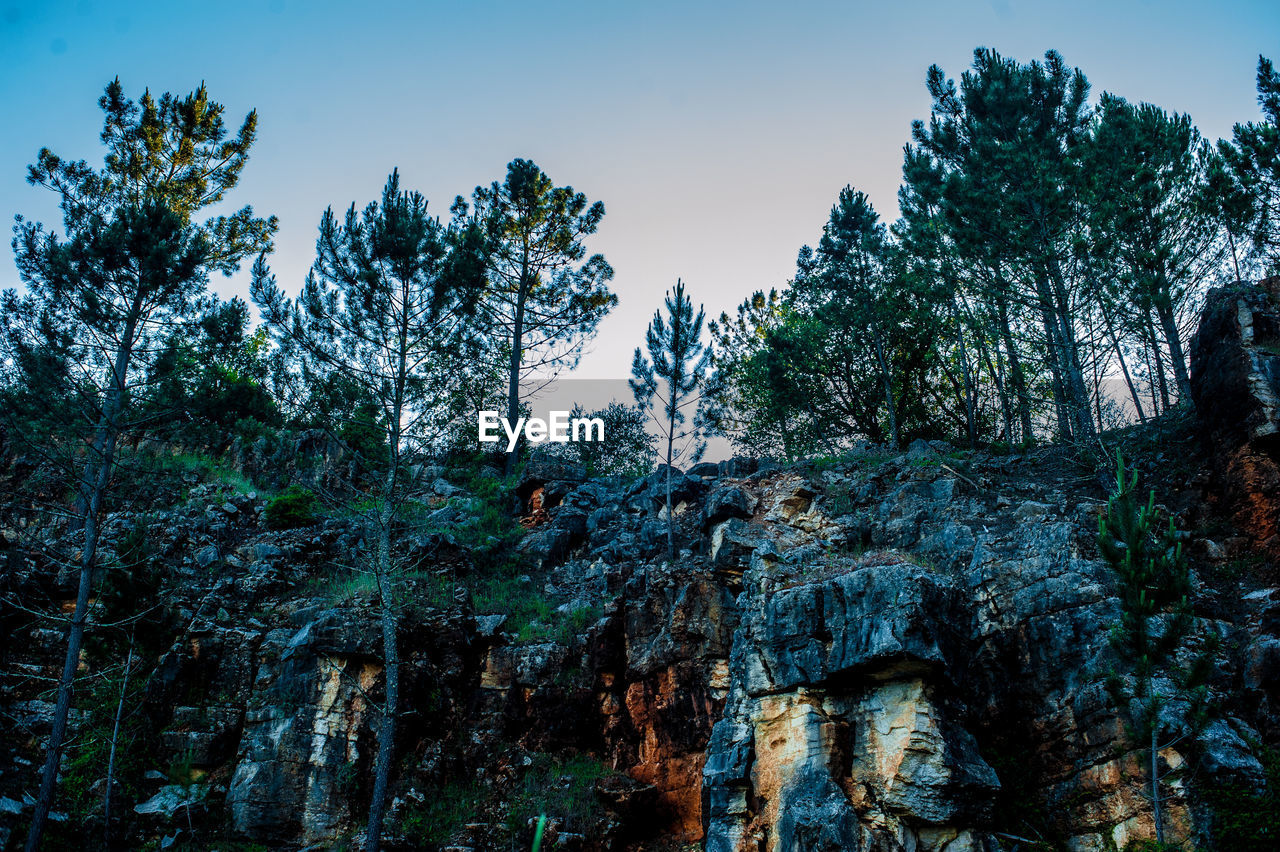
(1041, 281)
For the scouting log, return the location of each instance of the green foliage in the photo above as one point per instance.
(674, 375)
(550, 625)
(207, 380)
(1247, 820)
(627, 449)
(559, 787)
(182, 771)
(1156, 235)
(516, 597)
(743, 403)
(1248, 188)
(87, 757)
(841, 355)
(542, 299)
(489, 529)
(444, 812)
(1152, 573)
(1152, 846)
(129, 269)
(673, 372)
(384, 324)
(1154, 585)
(348, 410)
(131, 256)
(206, 470)
(349, 588)
(293, 507)
(562, 787)
(213, 841)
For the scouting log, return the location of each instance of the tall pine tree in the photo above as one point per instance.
(387, 307)
(131, 264)
(674, 374)
(543, 300)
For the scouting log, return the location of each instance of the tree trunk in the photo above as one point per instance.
(671, 518)
(513, 376)
(115, 739)
(1151, 378)
(1169, 325)
(1073, 372)
(997, 371)
(391, 671)
(886, 381)
(1124, 368)
(1154, 342)
(1235, 261)
(970, 393)
(1054, 361)
(1017, 378)
(97, 478)
(1077, 391)
(1156, 810)
(386, 589)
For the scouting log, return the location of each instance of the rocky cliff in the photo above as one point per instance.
(883, 651)
(1235, 366)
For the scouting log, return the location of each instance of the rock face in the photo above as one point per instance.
(838, 730)
(881, 654)
(1235, 382)
(310, 722)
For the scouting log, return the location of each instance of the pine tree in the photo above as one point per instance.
(1155, 620)
(674, 374)
(130, 264)
(387, 308)
(1007, 142)
(746, 401)
(1148, 216)
(844, 286)
(543, 300)
(1252, 158)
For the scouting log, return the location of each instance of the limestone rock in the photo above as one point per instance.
(1235, 382)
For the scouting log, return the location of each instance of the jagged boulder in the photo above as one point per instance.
(729, 502)
(1235, 383)
(839, 732)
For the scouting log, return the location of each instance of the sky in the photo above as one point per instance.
(717, 135)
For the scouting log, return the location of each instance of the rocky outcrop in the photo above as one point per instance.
(1235, 382)
(838, 733)
(881, 653)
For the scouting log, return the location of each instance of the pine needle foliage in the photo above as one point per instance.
(1154, 586)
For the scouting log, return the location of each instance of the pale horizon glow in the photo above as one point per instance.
(717, 136)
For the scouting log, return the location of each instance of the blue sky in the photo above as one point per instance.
(717, 135)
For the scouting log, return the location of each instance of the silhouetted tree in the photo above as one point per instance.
(387, 307)
(543, 300)
(1148, 216)
(130, 264)
(1252, 158)
(674, 374)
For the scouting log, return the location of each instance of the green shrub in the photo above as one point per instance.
(521, 602)
(1152, 846)
(551, 625)
(1246, 820)
(443, 813)
(558, 787)
(351, 587)
(293, 507)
